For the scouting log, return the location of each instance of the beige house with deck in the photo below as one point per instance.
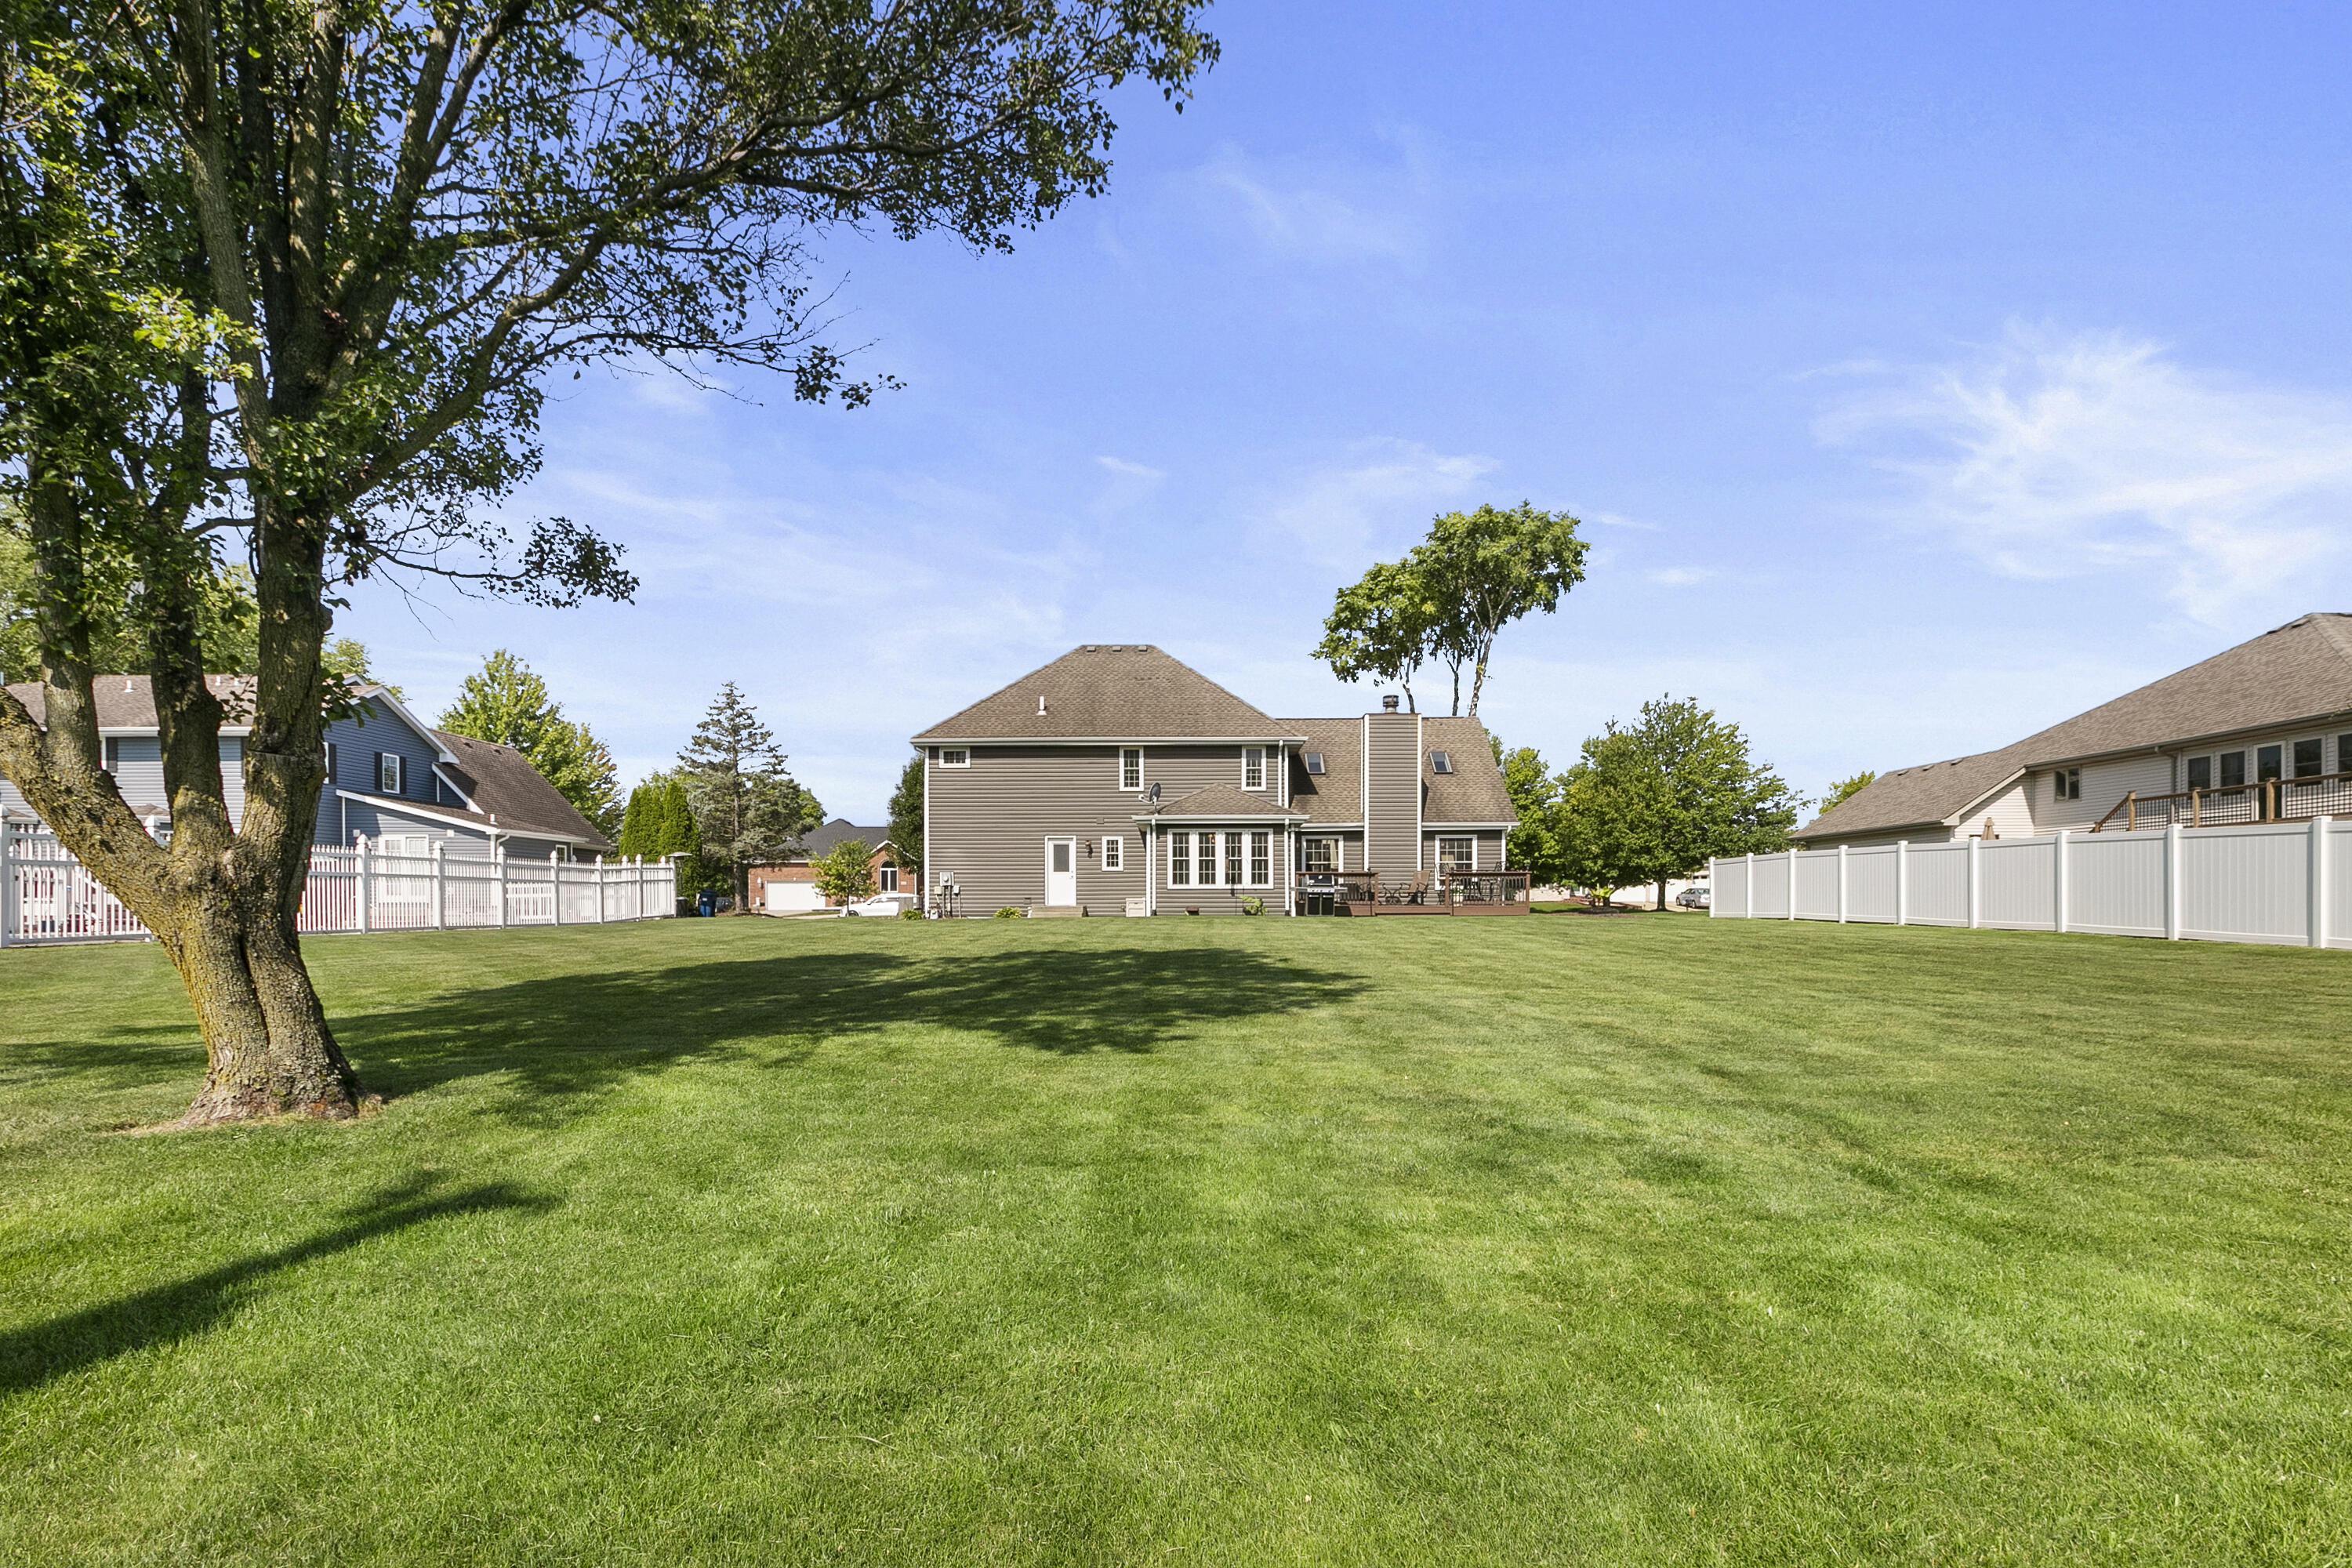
(2261, 733)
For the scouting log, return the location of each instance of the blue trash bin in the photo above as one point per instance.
(707, 903)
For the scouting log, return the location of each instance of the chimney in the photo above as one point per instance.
(1388, 704)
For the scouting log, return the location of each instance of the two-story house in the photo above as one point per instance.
(404, 785)
(2260, 732)
(1119, 779)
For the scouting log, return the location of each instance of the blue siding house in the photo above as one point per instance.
(390, 777)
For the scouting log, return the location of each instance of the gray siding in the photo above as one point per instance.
(988, 823)
(1350, 856)
(1392, 791)
(1221, 900)
(1489, 849)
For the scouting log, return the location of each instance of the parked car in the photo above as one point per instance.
(1693, 897)
(884, 905)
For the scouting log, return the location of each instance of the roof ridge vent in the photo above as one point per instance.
(1041, 705)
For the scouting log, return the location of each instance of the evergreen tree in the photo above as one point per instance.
(748, 809)
(679, 836)
(506, 703)
(631, 838)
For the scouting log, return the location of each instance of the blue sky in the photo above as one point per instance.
(1923, 375)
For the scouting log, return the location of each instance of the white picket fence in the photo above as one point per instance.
(45, 895)
(2287, 882)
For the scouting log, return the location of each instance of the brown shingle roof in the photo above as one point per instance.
(502, 783)
(1122, 691)
(1222, 801)
(2302, 670)
(1337, 795)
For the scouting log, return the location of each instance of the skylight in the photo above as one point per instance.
(1441, 762)
(1314, 762)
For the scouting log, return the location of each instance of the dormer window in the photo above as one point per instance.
(1315, 762)
(1439, 762)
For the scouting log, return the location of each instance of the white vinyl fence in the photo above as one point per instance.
(45, 896)
(2287, 882)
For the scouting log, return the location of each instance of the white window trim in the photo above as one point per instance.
(391, 765)
(1124, 752)
(1114, 853)
(948, 755)
(1443, 838)
(1250, 856)
(1180, 836)
(1258, 752)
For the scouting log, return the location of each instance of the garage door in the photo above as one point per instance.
(793, 898)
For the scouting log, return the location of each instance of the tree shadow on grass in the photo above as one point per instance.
(572, 1035)
(39, 1352)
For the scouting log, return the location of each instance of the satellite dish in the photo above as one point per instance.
(1151, 795)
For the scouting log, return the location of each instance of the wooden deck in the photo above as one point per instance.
(1421, 893)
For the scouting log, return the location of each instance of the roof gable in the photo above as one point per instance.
(511, 794)
(1109, 691)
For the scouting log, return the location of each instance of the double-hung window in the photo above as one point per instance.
(1114, 854)
(1457, 856)
(888, 879)
(2266, 763)
(2234, 769)
(1261, 859)
(1232, 860)
(1131, 767)
(1253, 767)
(390, 773)
(2307, 758)
(2344, 754)
(1319, 857)
(1179, 859)
(2200, 772)
(2066, 784)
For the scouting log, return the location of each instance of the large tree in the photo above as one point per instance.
(1534, 846)
(1451, 595)
(1657, 799)
(284, 281)
(750, 811)
(845, 874)
(507, 703)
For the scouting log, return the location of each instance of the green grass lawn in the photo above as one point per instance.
(1552, 1239)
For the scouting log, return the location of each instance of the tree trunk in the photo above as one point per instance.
(1662, 896)
(267, 1049)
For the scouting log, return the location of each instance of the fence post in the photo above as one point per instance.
(367, 890)
(440, 885)
(2319, 881)
(1792, 853)
(1976, 903)
(1840, 884)
(2172, 881)
(600, 890)
(498, 877)
(2058, 877)
(555, 882)
(7, 884)
(1903, 881)
(1749, 913)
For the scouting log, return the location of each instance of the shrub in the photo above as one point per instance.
(910, 915)
(1253, 906)
(1008, 913)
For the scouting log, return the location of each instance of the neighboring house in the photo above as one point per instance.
(402, 785)
(2263, 730)
(788, 887)
(1116, 777)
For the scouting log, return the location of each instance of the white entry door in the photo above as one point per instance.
(1061, 872)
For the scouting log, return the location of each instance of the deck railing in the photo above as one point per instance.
(47, 896)
(1426, 893)
(2267, 800)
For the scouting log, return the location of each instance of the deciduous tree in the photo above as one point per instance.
(1381, 628)
(1845, 789)
(1534, 846)
(507, 703)
(845, 873)
(1656, 800)
(906, 819)
(284, 283)
(1482, 570)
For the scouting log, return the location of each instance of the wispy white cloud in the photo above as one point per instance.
(1324, 213)
(1679, 576)
(1380, 491)
(1126, 469)
(2053, 457)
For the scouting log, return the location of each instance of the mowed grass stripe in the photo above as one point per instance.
(1547, 1240)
